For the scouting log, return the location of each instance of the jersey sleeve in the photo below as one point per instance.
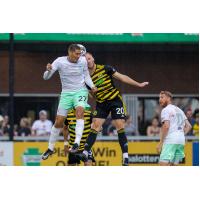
(165, 116)
(110, 70)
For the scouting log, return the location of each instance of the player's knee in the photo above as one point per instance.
(79, 112)
(120, 125)
(96, 126)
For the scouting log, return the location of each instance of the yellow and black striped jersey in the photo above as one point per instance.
(103, 80)
(70, 122)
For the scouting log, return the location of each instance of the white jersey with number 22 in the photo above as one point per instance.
(177, 118)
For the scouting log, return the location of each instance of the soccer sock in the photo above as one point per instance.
(79, 130)
(53, 137)
(123, 142)
(90, 140)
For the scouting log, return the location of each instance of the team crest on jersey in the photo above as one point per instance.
(94, 113)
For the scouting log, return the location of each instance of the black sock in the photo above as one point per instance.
(90, 140)
(123, 140)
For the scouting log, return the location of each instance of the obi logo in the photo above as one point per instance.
(31, 157)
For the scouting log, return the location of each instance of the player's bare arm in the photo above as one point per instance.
(187, 127)
(126, 79)
(163, 134)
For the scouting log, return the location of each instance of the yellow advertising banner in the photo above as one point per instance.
(105, 153)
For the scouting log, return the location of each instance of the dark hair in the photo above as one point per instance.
(74, 47)
(167, 93)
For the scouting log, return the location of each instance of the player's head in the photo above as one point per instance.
(90, 60)
(43, 115)
(165, 98)
(74, 52)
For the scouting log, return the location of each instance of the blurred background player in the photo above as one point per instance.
(174, 127)
(108, 100)
(69, 131)
(74, 75)
(69, 137)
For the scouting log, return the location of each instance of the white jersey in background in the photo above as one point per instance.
(42, 127)
(177, 118)
(73, 76)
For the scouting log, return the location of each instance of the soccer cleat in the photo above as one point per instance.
(74, 148)
(46, 154)
(125, 162)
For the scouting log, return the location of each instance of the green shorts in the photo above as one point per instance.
(69, 100)
(172, 153)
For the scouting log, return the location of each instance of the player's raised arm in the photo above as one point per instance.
(126, 79)
(50, 69)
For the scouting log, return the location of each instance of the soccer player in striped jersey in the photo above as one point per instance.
(108, 99)
(69, 130)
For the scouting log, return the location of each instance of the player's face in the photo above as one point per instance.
(163, 100)
(90, 60)
(74, 55)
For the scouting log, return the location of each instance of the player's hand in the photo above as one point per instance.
(143, 84)
(49, 67)
(94, 90)
(159, 147)
(66, 149)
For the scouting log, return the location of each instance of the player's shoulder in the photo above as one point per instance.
(166, 109)
(61, 58)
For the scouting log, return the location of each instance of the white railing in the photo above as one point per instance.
(99, 138)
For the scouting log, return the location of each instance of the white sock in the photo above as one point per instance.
(79, 130)
(53, 137)
(125, 155)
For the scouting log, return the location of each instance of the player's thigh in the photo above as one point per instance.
(80, 98)
(168, 153)
(65, 102)
(117, 109)
(97, 123)
(79, 112)
(102, 110)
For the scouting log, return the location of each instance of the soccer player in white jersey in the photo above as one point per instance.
(174, 127)
(74, 76)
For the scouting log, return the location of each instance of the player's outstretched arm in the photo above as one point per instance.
(49, 72)
(187, 127)
(126, 79)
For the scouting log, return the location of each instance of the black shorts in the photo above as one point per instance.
(73, 159)
(115, 106)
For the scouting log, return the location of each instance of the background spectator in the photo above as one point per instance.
(1, 123)
(24, 128)
(191, 119)
(130, 128)
(6, 125)
(111, 129)
(42, 127)
(196, 125)
(153, 129)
